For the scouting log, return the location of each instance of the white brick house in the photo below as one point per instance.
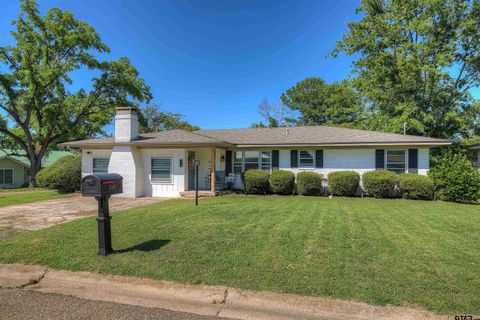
(160, 164)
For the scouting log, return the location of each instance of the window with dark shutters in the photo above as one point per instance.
(228, 162)
(318, 159)
(275, 160)
(413, 160)
(379, 159)
(293, 159)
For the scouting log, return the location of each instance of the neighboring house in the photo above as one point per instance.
(14, 168)
(160, 164)
(474, 155)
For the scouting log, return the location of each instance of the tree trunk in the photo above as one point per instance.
(35, 166)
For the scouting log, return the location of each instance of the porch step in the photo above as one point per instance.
(201, 194)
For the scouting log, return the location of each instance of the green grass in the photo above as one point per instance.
(399, 252)
(23, 190)
(10, 199)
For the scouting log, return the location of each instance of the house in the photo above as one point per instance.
(160, 164)
(474, 155)
(14, 167)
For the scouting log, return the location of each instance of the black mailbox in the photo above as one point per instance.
(102, 185)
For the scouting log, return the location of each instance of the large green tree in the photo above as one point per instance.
(319, 103)
(417, 63)
(153, 119)
(40, 105)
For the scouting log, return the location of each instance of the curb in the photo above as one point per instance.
(199, 299)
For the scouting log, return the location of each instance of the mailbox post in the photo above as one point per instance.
(102, 186)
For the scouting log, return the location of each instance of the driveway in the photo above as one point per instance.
(43, 214)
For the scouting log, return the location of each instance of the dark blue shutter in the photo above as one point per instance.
(293, 158)
(413, 160)
(319, 159)
(275, 159)
(228, 162)
(379, 159)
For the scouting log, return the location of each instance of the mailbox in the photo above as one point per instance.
(102, 185)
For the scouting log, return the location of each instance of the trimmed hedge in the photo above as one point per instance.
(282, 182)
(64, 175)
(256, 182)
(309, 183)
(455, 179)
(380, 184)
(343, 183)
(416, 187)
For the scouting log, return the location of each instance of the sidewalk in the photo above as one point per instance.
(217, 301)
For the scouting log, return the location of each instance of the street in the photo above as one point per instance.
(27, 304)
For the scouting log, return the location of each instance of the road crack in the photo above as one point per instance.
(33, 281)
(223, 302)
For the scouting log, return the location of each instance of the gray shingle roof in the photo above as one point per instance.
(310, 135)
(313, 135)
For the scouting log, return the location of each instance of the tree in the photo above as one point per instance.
(152, 119)
(418, 61)
(275, 114)
(36, 81)
(321, 103)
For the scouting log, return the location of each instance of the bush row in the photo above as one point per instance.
(378, 184)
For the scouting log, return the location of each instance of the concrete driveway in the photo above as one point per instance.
(43, 214)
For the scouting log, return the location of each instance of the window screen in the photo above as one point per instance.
(162, 170)
(266, 160)
(237, 162)
(396, 161)
(251, 160)
(100, 165)
(306, 158)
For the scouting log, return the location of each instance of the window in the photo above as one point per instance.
(246, 160)
(162, 170)
(396, 161)
(237, 162)
(266, 160)
(100, 165)
(251, 160)
(306, 158)
(6, 176)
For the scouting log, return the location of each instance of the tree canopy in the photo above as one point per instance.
(418, 61)
(319, 103)
(36, 83)
(152, 119)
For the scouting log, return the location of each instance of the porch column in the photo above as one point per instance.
(212, 169)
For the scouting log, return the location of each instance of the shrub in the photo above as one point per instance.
(380, 184)
(455, 179)
(417, 187)
(309, 183)
(256, 182)
(343, 183)
(282, 182)
(64, 175)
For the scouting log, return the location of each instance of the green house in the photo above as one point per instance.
(15, 169)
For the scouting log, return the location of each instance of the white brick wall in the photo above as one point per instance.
(126, 125)
(127, 162)
(87, 158)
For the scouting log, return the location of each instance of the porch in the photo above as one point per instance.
(211, 168)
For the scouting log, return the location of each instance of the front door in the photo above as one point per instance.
(191, 170)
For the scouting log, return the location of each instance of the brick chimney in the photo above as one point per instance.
(126, 124)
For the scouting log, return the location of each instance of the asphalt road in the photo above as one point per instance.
(26, 304)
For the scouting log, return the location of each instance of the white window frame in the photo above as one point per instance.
(13, 176)
(99, 158)
(405, 160)
(314, 160)
(259, 167)
(171, 170)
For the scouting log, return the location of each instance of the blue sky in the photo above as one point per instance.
(214, 61)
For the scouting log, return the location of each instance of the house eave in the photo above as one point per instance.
(349, 144)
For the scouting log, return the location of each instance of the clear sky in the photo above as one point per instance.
(214, 61)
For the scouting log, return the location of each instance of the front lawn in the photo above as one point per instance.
(13, 198)
(379, 251)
